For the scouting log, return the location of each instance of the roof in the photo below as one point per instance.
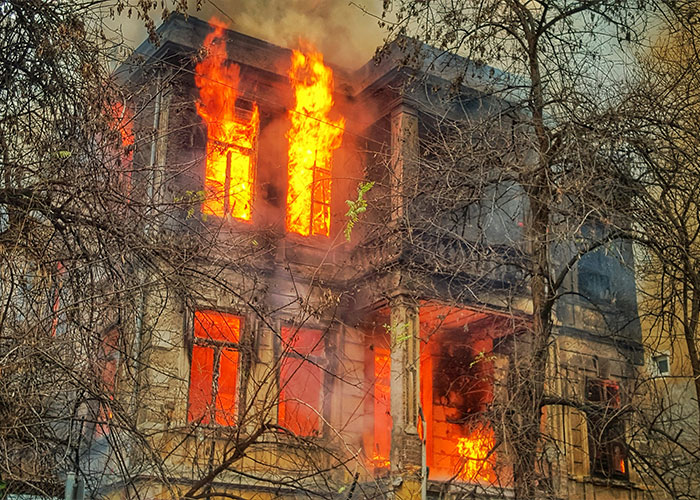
(185, 35)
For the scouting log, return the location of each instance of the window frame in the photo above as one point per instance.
(224, 148)
(656, 372)
(210, 416)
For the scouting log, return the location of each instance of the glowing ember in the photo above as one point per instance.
(312, 140)
(380, 462)
(231, 139)
(474, 450)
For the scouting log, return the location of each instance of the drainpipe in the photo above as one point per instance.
(151, 194)
(75, 487)
(140, 311)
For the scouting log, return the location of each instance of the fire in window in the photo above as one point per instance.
(214, 368)
(231, 139)
(606, 431)
(312, 139)
(378, 375)
(108, 364)
(456, 389)
(123, 118)
(301, 381)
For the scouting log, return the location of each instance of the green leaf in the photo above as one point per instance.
(356, 207)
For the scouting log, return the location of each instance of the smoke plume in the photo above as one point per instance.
(345, 34)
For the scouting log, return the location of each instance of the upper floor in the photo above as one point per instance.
(237, 138)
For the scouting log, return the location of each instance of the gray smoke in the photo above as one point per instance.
(345, 34)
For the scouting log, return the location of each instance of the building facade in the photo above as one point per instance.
(339, 328)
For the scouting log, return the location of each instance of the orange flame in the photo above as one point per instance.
(124, 123)
(312, 140)
(231, 139)
(382, 409)
(475, 450)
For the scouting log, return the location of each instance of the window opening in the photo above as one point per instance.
(231, 139)
(58, 319)
(606, 432)
(662, 365)
(456, 389)
(123, 122)
(379, 375)
(108, 365)
(301, 381)
(312, 139)
(214, 368)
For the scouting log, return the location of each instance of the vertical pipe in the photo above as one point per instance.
(70, 486)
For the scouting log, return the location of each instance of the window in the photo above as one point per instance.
(107, 366)
(214, 368)
(312, 137)
(301, 381)
(606, 431)
(594, 267)
(123, 123)
(309, 195)
(457, 388)
(228, 185)
(661, 365)
(231, 137)
(378, 444)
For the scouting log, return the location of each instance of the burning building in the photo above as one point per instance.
(325, 337)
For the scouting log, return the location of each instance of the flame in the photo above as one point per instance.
(382, 409)
(312, 140)
(474, 450)
(379, 462)
(122, 119)
(231, 139)
(124, 123)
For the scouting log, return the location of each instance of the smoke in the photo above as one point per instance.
(345, 34)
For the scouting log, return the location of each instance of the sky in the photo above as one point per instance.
(345, 34)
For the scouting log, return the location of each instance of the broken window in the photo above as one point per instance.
(214, 368)
(231, 137)
(457, 387)
(606, 430)
(123, 123)
(313, 138)
(301, 381)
